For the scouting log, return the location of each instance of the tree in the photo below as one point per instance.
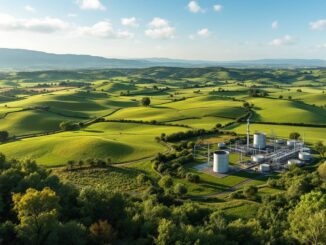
(37, 213)
(250, 191)
(71, 164)
(68, 126)
(165, 182)
(321, 148)
(167, 233)
(322, 170)
(180, 190)
(308, 219)
(294, 136)
(102, 232)
(2, 159)
(108, 161)
(141, 179)
(4, 135)
(80, 163)
(146, 101)
(246, 105)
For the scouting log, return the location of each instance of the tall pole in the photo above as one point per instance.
(208, 155)
(248, 133)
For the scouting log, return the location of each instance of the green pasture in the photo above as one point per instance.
(122, 142)
(285, 111)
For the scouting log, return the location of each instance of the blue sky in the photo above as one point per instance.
(201, 29)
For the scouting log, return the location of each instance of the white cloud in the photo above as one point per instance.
(160, 29)
(318, 25)
(204, 32)
(158, 23)
(275, 24)
(45, 25)
(131, 22)
(103, 29)
(90, 4)
(194, 7)
(217, 8)
(286, 40)
(29, 8)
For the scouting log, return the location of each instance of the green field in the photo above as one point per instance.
(121, 142)
(189, 98)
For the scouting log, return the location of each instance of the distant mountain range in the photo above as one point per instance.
(20, 59)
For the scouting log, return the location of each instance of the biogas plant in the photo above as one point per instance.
(256, 153)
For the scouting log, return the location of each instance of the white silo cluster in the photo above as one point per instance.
(259, 140)
(221, 162)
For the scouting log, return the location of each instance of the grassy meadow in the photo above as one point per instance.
(33, 103)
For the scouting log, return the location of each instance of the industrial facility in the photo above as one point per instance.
(262, 153)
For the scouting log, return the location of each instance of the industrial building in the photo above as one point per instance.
(264, 153)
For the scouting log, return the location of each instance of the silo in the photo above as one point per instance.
(259, 141)
(221, 162)
(221, 145)
(291, 143)
(306, 149)
(304, 156)
(294, 162)
(258, 158)
(264, 167)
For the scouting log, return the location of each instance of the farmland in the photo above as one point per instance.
(113, 124)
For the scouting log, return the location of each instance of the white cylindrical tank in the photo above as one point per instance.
(221, 162)
(306, 149)
(294, 143)
(258, 158)
(294, 162)
(221, 145)
(259, 141)
(291, 142)
(304, 156)
(264, 167)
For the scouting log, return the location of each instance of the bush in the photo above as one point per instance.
(192, 177)
(180, 190)
(4, 135)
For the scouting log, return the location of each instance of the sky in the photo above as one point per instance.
(220, 30)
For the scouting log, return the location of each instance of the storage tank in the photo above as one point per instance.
(304, 156)
(258, 158)
(291, 142)
(294, 162)
(306, 149)
(221, 162)
(294, 143)
(264, 167)
(280, 141)
(259, 141)
(221, 145)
